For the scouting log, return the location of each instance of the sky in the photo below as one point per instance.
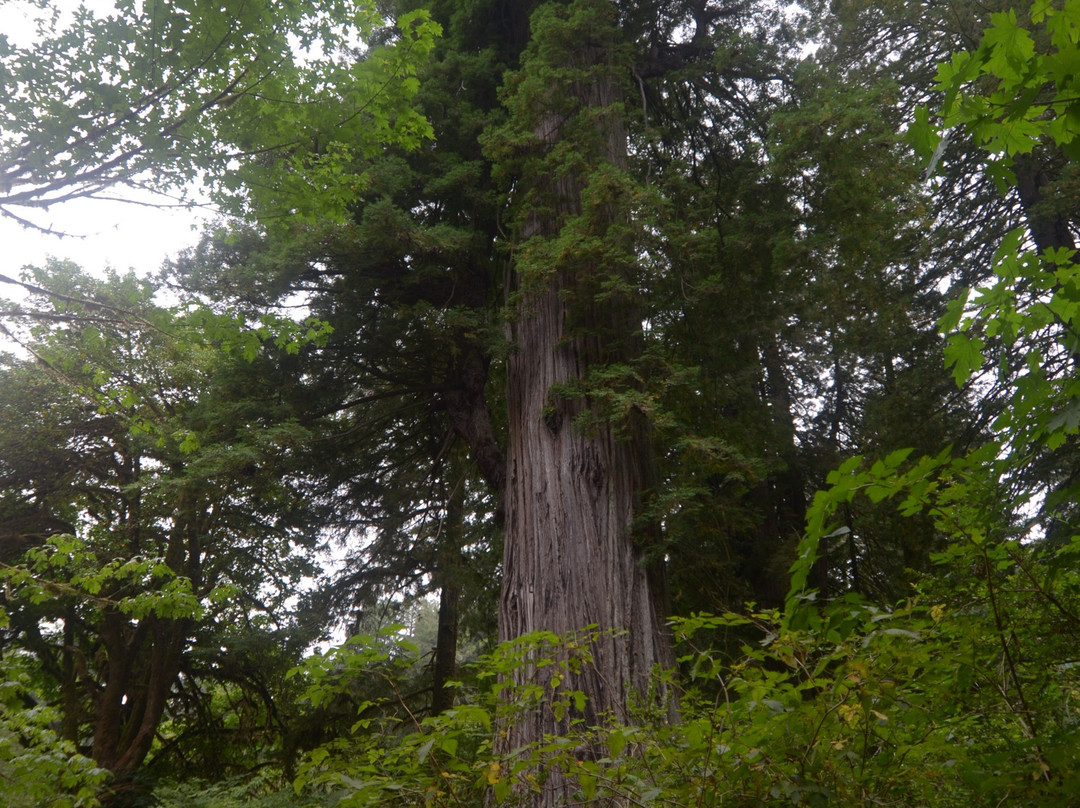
(100, 235)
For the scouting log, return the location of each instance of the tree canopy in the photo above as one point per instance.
(674, 403)
(161, 94)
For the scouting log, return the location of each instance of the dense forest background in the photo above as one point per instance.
(632, 403)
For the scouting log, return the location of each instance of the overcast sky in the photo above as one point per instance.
(101, 234)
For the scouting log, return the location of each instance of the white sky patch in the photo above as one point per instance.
(17, 21)
(98, 234)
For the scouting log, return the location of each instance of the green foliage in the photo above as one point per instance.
(859, 705)
(136, 570)
(1025, 72)
(1015, 95)
(773, 236)
(388, 753)
(37, 766)
(230, 331)
(267, 102)
(1029, 319)
(260, 790)
(67, 566)
(1005, 618)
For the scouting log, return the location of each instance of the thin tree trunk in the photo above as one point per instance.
(442, 697)
(449, 570)
(69, 683)
(1049, 228)
(467, 405)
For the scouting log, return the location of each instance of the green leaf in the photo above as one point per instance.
(894, 459)
(616, 743)
(587, 782)
(423, 752)
(1010, 46)
(877, 493)
(1011, 136)
(954, 310)
(923, 136)
(963, 354)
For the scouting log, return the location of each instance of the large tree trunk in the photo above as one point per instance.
(570, 559)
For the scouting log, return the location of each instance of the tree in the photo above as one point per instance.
(575, 472)
(614, 291)
(141, 509)
(415, 245)
(628, 312)
(160, 94)
(1013, 96)
(845, 321)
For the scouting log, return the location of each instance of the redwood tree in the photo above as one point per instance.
(576, 461)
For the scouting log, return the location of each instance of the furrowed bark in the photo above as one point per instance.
(570, 559)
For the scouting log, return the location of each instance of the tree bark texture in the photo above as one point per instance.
(570, 560)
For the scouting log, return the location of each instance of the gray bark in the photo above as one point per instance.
(570, 558)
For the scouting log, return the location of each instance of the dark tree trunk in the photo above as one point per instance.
(782, 496)
(141, 659)
(142, 664)
(449, 571)
(164, 666)
(570, 560)
(69, 681)
(442, 697)
(467, 405)
(1049, 228)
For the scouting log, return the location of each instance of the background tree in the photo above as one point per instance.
(616, 319)
(415, 274)
(152, 510)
